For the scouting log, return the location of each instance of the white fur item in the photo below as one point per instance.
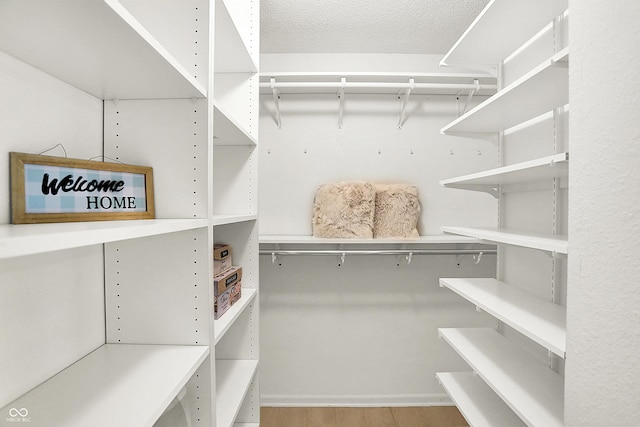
(344, 210)
(397, 211)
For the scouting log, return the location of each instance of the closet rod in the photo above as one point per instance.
(376, 85)
(379, 252)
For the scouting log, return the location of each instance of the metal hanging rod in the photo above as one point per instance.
(379, 252)
(375, 85)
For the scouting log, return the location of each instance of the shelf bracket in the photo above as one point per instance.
(276, 99)
(470, 95)
(403, 106)
(343, 82)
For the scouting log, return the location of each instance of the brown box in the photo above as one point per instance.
(225, 280)
(221, 303)
(236, 292)
(221, 259)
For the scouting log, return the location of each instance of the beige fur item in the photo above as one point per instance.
(397, 211)
(344, 210)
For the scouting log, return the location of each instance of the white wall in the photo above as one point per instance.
(364, 333)
(603, 319)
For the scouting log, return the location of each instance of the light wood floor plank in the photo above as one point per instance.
(379, 417)
(268, 417)
(408, 417)
(350, 417)
(291, 417)
(321, 417)
(442, 416)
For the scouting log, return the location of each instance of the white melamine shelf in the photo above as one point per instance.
(479, 405)
(552, 243)
(542, 321)
(232, 219)
(233, 379)
(28, 239)
(555, 166)
(231, 53)
(115, 385)
(115, 58)
(533, 391)
(310, 240)
(484, 42)
(539, 91)
(222, 325)
(228, 131)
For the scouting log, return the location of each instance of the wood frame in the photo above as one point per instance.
(19, 208)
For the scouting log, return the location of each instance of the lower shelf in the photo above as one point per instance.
(533, 391)
(117, 384)
(222, 325)
(233, 380)
(479, 405)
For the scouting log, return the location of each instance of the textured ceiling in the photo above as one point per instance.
(364, 26)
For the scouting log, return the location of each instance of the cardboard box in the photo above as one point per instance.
(221, 303)
(221, 259)
(225, 280)
(236, 292)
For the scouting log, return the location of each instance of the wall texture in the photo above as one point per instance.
(603, 319)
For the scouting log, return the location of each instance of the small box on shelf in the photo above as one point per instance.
(236, 292)
(222, 260)
(221, 303)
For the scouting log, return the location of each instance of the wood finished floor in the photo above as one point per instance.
(428, 416)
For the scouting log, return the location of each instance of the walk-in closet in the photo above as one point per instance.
(331, 213)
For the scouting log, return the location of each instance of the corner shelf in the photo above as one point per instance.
(228, 131)
(479, 405)
(117, 384)
(551, 243)
(484, 43)
(29, 239)
(541, 90)
(549, 167)
(540, 320)
(533, 391)
(116, 58)
(233, 379)
(232, 219)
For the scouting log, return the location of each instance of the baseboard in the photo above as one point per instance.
(283, 400)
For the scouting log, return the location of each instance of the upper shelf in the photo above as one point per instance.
(541, 90)
(114, 58)
(310, 240)
(555, 166)
(501, 28)
(227, 130)
(29, 239)
(117, 384)
(232, 55)
(551, 243)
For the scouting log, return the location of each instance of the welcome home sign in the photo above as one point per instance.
(59, 189)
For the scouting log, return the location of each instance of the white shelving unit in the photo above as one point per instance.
(531, 390)
(138, 328)
(478, 403)
(526, 120)
(540, 320)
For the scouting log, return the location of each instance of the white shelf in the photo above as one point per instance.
(233, 379)
(229, 131)
(117, 384)
(540, 320)
(501, 28)
(28, 239)
(533, 391)
(541, 90)
(546, 168)
(232, 219)
(231, 53)
(222, 325)
(552, 243)
(479, 405)
(115, 58)
(310, 240)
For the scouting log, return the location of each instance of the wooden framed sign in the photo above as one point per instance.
(59, 189)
